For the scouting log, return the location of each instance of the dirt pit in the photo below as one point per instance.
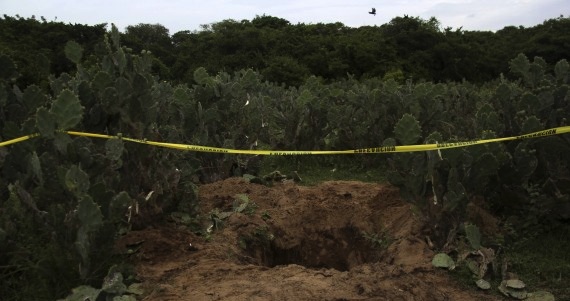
(340, 240)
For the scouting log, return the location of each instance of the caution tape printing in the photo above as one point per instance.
(372, 150)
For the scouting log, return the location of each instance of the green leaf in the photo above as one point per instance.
(512, 292)
(82, 246)
(520, 65)
(239, 207)
(530, 125)
(243, 198)
(61, 141)
(45, 122)
(77, 181)
(434, 137)
(113, 284)
(562, 70)
(473, 266)
(514, 283)
(86, 94)
(181, 95)
(249, 78)
(143, 63)
(73, 52)
(442, 260)
(252, 179)
(114, 149)
(389, 142)
(16, 90)
(36, 167)
(305, 98)
(28, 126)
(118, 206)
(101, 81)
(140, 83)
(111, 100)
(123, 87)
(89, 214)
(473, 236)
(67, 110)
(121, 60)
(33, 98)
(483, 284)
(135, 288)
(529, 103)
(408, 130)
(60, 83)
(201, 76)
(82, 293)
(115, 36)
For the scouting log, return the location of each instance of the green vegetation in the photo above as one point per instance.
(379, 241)
(64, 199)
(406, 47)
(544, 262)
(535, 266)
(314, 170)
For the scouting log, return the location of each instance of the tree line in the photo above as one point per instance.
(404, 48)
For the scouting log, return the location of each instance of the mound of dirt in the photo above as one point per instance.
(340, 240)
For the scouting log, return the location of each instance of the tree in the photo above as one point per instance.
(265, 21)
(154, 38)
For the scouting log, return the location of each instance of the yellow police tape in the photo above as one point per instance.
(372, 150)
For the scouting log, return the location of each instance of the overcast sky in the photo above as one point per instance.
(178, 15)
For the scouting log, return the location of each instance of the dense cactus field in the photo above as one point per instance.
(64, 199)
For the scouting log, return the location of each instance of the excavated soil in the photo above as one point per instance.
(340, 240)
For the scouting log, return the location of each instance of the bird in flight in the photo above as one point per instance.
(373, 12)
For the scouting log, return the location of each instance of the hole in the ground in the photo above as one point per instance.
(340, 249)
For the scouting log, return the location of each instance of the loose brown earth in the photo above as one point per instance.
(301, 243)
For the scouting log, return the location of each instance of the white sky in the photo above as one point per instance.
(177, 15)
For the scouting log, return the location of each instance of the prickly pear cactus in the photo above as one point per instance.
(408, 130)
(488, 119)
(473, 236)
(525, 161)
(456, 195)
(73, 51)
(562, 71)
(529, 104)
(409, 171)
